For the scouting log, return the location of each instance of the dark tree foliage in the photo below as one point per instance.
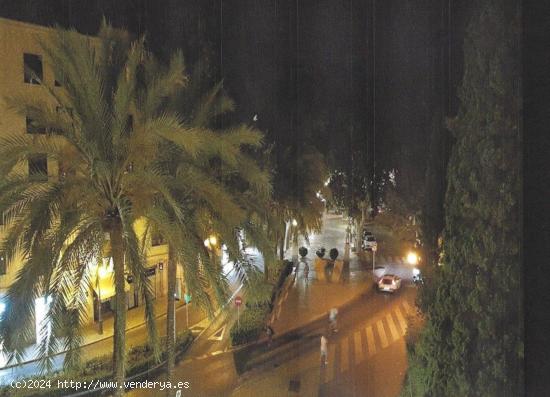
(472, 344)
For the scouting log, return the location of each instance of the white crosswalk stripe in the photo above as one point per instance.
(359, 356)
(344, 354)
(371, 342)
(382, 334)
(391, 325)
(329, 374)
(401, 320)
(342, 350)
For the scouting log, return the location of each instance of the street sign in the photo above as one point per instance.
(238, 301)
(187, 298)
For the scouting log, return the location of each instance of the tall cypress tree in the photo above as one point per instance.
(472, 344)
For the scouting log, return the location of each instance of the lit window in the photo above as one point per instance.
(32, 68)
(157, 239)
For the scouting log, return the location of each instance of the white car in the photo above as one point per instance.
(389, 283)
(368, 242)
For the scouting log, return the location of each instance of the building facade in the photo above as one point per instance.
(21, 53)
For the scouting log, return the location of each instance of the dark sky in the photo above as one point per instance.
(304, 66)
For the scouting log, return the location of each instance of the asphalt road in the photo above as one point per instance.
(367, 356)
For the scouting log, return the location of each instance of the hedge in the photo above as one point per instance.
(139, 359)
(251, 325)
(252, 320)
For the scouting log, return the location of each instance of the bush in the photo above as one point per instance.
(321, 252)
(303, 252)
(333, 254)
(139, 359)
(251, 325)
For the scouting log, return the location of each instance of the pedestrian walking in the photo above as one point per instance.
(269, 331)
(306, 271)
(332, 318)
(324, 350)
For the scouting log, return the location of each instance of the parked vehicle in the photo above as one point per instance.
(389, 283)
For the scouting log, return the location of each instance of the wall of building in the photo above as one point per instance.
(17, 39)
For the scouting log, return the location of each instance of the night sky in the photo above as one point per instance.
(305, 67)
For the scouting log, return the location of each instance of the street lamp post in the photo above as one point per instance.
(99, 317)
(374, 247)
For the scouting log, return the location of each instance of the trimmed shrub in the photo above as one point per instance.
(303, 252)
(321, 252)
(251, 325)
(333, 254)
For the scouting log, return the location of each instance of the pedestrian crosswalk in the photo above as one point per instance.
(370, 339)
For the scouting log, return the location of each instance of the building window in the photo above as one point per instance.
(3, 266)
(33, 127)
(157, 239)
(60, 110)
(33, 68)
(38, 166)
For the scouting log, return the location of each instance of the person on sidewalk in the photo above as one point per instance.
(324, 350)
(306, 271)
(269, 331)
(332, 318)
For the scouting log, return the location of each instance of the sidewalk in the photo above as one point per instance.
(95, 345)
(307, 301)
(300, 308)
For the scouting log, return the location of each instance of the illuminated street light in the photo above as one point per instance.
(294, 222)
(211, 242)
(412, 258)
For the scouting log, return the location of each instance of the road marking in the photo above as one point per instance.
(370, 341)
(329, 374)
(344, 355)
(401, 320)
(359, 356)
(218, 335)
(393, 330)
(382, 334)
(407, 307)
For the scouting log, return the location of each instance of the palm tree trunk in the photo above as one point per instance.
(171, 314)
(119, 340)
(282, 249)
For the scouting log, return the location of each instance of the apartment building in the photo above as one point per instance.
(20, 52)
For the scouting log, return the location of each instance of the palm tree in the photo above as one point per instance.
(221, 189)
(106, 126)
(299, 178)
